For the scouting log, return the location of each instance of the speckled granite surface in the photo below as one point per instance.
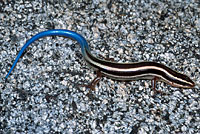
(42, 95)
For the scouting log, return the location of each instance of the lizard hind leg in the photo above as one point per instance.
(94, 82)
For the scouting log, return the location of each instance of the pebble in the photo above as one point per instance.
(50, 71)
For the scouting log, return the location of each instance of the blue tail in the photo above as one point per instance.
(56, 32)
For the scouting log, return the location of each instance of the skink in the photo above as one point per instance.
(119, 71)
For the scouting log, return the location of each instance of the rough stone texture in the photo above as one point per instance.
(42, 95)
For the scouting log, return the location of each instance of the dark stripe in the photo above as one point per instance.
(138, 72)
(132, 65)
